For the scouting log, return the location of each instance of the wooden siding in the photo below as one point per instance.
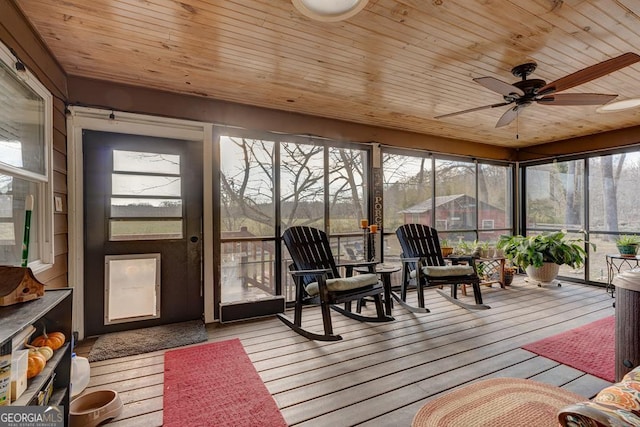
(381, 374)
(17, 33)
(83, 91)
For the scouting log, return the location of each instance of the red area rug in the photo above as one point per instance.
(589, 348)
(216, 385)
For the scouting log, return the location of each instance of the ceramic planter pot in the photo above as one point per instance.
(508, 277)
(628, 250)
(546, 273)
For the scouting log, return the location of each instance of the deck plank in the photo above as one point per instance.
(381, 374)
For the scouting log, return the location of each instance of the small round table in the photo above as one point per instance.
(385, 272)
(616, 264)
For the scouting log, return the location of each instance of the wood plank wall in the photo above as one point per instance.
(19, 35)
(110, 95)
(96, 93)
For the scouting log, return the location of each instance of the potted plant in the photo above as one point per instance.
(542, 255)
(445, 247)
(628, 244)
(463, 248)
(486, 249)
(509, 272)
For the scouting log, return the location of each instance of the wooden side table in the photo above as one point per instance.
(385, 272)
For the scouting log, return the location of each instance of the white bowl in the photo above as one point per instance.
(91, 409)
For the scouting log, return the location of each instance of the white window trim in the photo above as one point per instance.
(81, 118)
(492, 222)
(45, 199)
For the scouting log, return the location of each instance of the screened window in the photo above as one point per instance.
(270, 182)
(25, 144)
(456, 200)
(613, 205)
(555, 200)
(555, 196)
(472, 201)
(247, 217)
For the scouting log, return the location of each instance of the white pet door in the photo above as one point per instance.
(132, 286)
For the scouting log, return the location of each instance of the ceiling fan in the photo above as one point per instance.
(527, 91)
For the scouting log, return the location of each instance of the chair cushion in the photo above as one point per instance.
(344, 284)
(445, 270)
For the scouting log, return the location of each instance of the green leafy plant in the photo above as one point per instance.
(480, 267)
(627, 244)
(546, 247)
(628, 240)
(464, 248)
(484, 245)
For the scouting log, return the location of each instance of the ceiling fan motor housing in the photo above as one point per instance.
(523, 70)
(530, 89)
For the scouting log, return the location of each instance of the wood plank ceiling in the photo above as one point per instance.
(396, 64)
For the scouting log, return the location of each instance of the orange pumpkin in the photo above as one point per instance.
(55, 340)
(46, 351)
(35, 363)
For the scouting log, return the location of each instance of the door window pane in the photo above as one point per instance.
(124, 208)
(144, 230)
(146, 202)
(141, 162)
(145, 185)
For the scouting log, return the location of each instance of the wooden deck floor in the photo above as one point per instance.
(381, 374)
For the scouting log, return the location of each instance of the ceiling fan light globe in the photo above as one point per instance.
(624, 104)
(329, 10)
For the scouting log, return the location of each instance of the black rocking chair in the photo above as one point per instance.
(317, 281)
(424, 266)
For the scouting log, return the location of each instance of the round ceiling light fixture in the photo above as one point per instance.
(624, 104)
(329, 10)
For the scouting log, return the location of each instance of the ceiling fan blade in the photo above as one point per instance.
(484, 107)
(590, 73)
(499, 86)
(576, 99)
(508, 116)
